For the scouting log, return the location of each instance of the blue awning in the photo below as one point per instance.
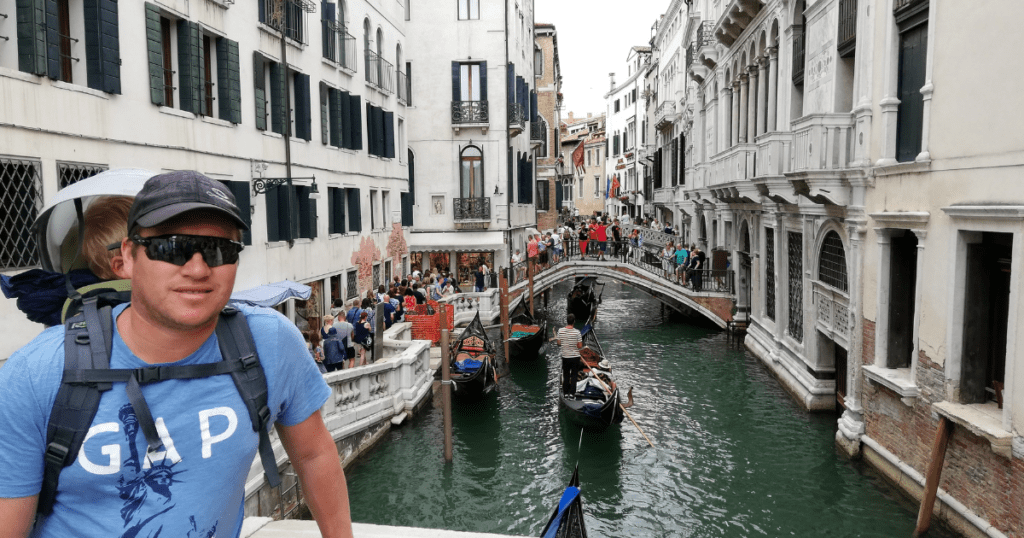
(272, 294)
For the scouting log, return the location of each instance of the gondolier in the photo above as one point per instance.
(570, 341)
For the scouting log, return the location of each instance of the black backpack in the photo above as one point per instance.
(88, 338)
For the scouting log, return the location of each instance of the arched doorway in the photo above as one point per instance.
(743, 276)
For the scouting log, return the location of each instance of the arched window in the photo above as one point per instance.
(472, 172)
(366, 46)
(380, 57)
(832, 262)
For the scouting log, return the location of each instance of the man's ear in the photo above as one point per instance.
(123, 263)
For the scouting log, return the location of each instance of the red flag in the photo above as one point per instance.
(615, 184)
(577, 156)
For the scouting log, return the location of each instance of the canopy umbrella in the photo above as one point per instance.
(532, 231)
(272, 294)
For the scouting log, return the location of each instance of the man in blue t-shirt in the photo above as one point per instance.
(182, 257)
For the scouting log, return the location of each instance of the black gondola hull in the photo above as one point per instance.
(473, 385)
(476, 384)
(589, 418)
(527, 348)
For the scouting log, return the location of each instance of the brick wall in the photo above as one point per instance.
(868, 342)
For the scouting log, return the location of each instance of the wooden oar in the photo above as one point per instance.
(630, 395)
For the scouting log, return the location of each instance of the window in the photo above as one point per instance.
(355, 214)
(385, 205)
(374, 219)
(616, 105)
(543, 195)
(795, 247)
(50, 41)
(597, 186)
(902, 298)
(294, 17)
(291, 213)
(538, 62)
(986, 311)
(21, 198)
(376, 275)
(336, 201)
(401, 139)
(567, 192)
(387, 273)
(471, 173)
(469, 9)
(408, 10)
(913, 54)
(471, 83)
(380, 132)
(341, 119)
(832, 262)
(352, 283)
(70, 173)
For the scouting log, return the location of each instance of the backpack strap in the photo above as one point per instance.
(86, 346)
(237, 346)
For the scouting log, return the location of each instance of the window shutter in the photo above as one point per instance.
(341, 133)
(483, 81)
(356, 125)
(511, 178)
(511, 82)
(355, 216)
(407, 209)
(332, 214)
(307, 213)
(240, 189)
(190, 71)
(260, 91)
(412, 176)
(273, 219)
(154, 46)
(533, 106)
(371, 138)
(378, 130)
(558, 195)
(325, 115)
(303, 110)
(327, 13)
(456, 84)
(229, 81)
(389, 135)
(262, 10)
(102, 47)
(31, 17)
(278, 107)
(52, 40)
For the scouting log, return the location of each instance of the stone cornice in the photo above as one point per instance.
(901, 219)
(985, 211)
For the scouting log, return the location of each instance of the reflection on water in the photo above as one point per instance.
(734, 455)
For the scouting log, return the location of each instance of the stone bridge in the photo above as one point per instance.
(714, 302)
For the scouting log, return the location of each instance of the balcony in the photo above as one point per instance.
(469, 114)
(663, 196)
(822, 149)
(538, 131)
(340, 46)
(404, 90)
(665, 114)
(704, 47)
(847, 28)
(773, 154)
(734, 20)
(380, 72)
(472, 209)
(516, 118)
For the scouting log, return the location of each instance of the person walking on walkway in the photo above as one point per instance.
(584, 237)
(601, 233)
(570, 343)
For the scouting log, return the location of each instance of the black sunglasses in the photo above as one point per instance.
(179, 249)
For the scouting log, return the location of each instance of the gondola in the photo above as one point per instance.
(583, 299)
(472, 362)
(567, 519)
(598, 404)
(526, 335)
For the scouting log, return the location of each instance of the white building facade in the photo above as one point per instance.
(624, 127)
(202, 85)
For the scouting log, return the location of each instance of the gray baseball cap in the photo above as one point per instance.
(168, 195)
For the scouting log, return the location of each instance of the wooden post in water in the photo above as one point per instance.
(446, 390)
(503, 301)
(529, 271)
(931, 482)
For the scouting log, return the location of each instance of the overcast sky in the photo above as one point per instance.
(594, 37)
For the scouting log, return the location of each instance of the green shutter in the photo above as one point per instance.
(53, 62)
(325, 115)
(278, 105)
(371, 138)
(335, 100)
(332, 215)
(273, 219)
(155, 50)
(389, 135)
(345, 112)
(191, 75)
(229, 81)
(303, 108)
(259, 91)
(355, 123)
(355, 215)
(102, 45)
(31, 17)
(378, 130)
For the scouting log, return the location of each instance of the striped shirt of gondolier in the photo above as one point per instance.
(569, 340)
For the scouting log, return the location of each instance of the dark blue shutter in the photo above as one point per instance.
(334, 105)
(456, 84)
(259, 91)
(262, 7)
(31, 17)
(371, 138)
(52, 40)
(307, 212)
(356, 123)
(325, 114)
(190, 67)
(344, 118)
(155, 50)
(102, 46)
(273, 219)
(303, 110)
(412, 176)
(533, 106)
(389, 135)
(910, 113)
(278, 107)
(378, 130)
(229, 81)
(483, 81)
(332, 215)
(327, 13)
(406, 208)
(521, 91)
(355, 215)
(240, 189)
(558, 195)
(509, 188)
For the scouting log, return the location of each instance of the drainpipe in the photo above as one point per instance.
(508, 143)
(287, 122)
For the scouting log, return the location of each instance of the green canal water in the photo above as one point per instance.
(734, 456)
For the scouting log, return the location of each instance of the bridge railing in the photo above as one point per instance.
(647, 257)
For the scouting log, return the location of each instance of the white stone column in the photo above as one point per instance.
(773, 88)
(851, 424)
(744, 104)
(921, 234)
(752, 103)
(762, 94)
(734, 133)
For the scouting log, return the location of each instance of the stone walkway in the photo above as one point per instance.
(261, 527)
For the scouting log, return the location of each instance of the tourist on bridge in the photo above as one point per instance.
(682, 259)
(601, 235)
(333, 350)
(531, 250)
(478, 278)
(556, 245)
(570, 343)
(363, 339)
(616, 248)
(584, 236)
(696, 272)
(542, 250)
(668, 259)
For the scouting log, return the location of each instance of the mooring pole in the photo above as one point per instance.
(931, 482)
(529, 270)
(503, 301)
(446, 390)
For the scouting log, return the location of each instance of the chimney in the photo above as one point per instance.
(612, 77)
(570, 117)
(590, 115)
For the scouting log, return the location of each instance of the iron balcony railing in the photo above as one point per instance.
(340, 46)
(516, 114)
(403, 88)
(380, 72)
(847, 28)
(469, 112)
(706, 34)
(472, 209)
(689, 55)
(538, 131)
(900, 5)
